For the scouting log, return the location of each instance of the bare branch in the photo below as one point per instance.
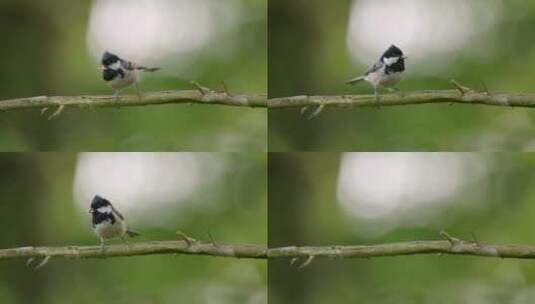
(204, 95)
(451, 245)
(467, 96)
(135, 249)
(165, 97)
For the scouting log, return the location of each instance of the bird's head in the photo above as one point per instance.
(109, 59)
(100, 204)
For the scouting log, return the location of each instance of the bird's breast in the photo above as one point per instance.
(107, 230)
(121, 79)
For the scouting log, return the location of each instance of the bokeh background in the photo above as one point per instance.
(46, 196)
(315, 46)
(54, 48)
(368, 198)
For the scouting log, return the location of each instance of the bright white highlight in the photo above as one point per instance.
(423, 29)
(143, 30)
(386, 185)
(143, 184)
(106, 209)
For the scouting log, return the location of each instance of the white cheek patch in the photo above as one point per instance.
(106, 209)
(115, 66)
(390, 60)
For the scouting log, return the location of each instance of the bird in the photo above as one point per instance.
(107, 222)
(386, 72)
(119, 73)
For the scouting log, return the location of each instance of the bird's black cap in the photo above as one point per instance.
(393, 51)
(109, 58)
(99, 202)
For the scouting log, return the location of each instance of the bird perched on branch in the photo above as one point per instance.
(107, 222)
(119, 73)
(386, 72)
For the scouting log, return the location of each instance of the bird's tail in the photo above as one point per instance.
(355, 80)
(131, 233)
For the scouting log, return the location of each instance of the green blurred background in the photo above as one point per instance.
(53, 48)
(315, 46)
(45, 201)
(367, 198)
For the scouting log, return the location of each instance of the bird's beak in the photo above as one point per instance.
(405, 57)
(90, 210)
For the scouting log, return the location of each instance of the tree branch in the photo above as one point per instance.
(451, 245)
(135, 249)
(204, 96)
(156, 98)
(408, 98)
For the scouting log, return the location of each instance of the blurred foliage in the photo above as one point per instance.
(38, 210)
(304, 209)
(308, 55)
(45, 52)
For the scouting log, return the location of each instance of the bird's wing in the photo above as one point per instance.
(118, 213)
(377, 66)
(127, 65)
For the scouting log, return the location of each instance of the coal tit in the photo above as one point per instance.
(107, 222)
(386, 72)
(119, 73)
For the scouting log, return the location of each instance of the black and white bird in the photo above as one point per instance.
(107, 222)
(119, 73)
(386, 72)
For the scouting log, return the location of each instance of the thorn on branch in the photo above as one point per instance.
(29, 262)
(453, 241)
(225, 88)
(212, 241)
(475, 240)
(41, 264)
(201, 89)
(314, 114)
(307, 262)
(185, 238)
(317, 112)
(293, 260)
(485, 88)
(57, 112)
(462, 89)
